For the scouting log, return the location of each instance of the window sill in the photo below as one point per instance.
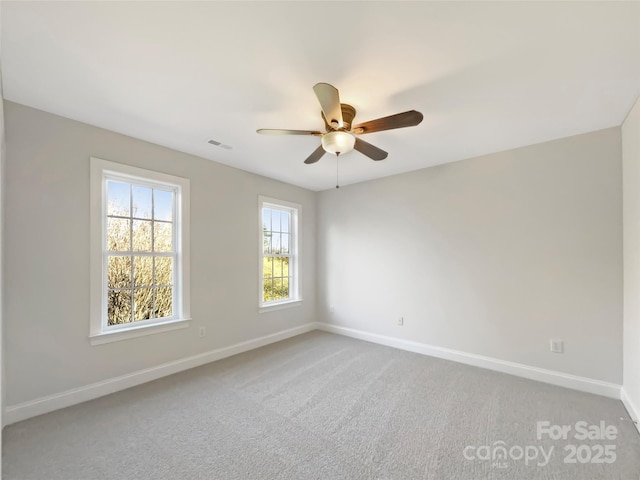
(138, 331)
(280, 305)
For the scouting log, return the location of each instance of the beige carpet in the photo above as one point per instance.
(321, 406)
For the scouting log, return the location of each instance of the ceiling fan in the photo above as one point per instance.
(340, 137)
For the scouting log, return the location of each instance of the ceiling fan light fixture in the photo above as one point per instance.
(338, 143)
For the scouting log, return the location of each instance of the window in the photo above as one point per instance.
(140, 257)
(279, 261)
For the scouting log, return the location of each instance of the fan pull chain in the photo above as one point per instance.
(337, 163)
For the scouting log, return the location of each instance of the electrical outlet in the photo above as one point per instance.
(556, 345)
(332, 309)
(400, 321)
(202, 332)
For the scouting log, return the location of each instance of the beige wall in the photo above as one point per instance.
(2, 156)
(47, 256)
(492, 256)
(631, 176)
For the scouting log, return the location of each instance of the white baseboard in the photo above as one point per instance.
(533, 373)
(39, 406)
(632, 408)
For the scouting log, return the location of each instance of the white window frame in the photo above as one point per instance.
(295, 298)
(101, 171)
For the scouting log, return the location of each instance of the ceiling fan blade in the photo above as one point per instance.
(399, 120)
(315, 156)
(281, 131)
(330, 102)
(374, 153)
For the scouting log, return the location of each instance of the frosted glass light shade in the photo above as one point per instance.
(338, 143)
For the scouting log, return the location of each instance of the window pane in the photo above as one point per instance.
(275, 220)
(267, 267)
(266, 219)
(164, 302)
(267, 294)
(141, 235)
(284, 240)
(164, 270)
(266, 242)
(118, 198)
(143, 304)
(284, 222)
(162, 237)
(143, 271)
(285, 267)
(285, 287)
(277, 267)
(141, 202)
(118, 234)
(162, 205)
(119, 307)
(275, 243)
(279, 291)
(119, 272)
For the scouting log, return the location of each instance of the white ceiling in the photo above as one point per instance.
(487, 76)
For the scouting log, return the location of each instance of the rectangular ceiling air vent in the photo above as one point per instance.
(219, 144)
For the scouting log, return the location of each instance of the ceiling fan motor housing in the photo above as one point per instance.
(348, 114)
